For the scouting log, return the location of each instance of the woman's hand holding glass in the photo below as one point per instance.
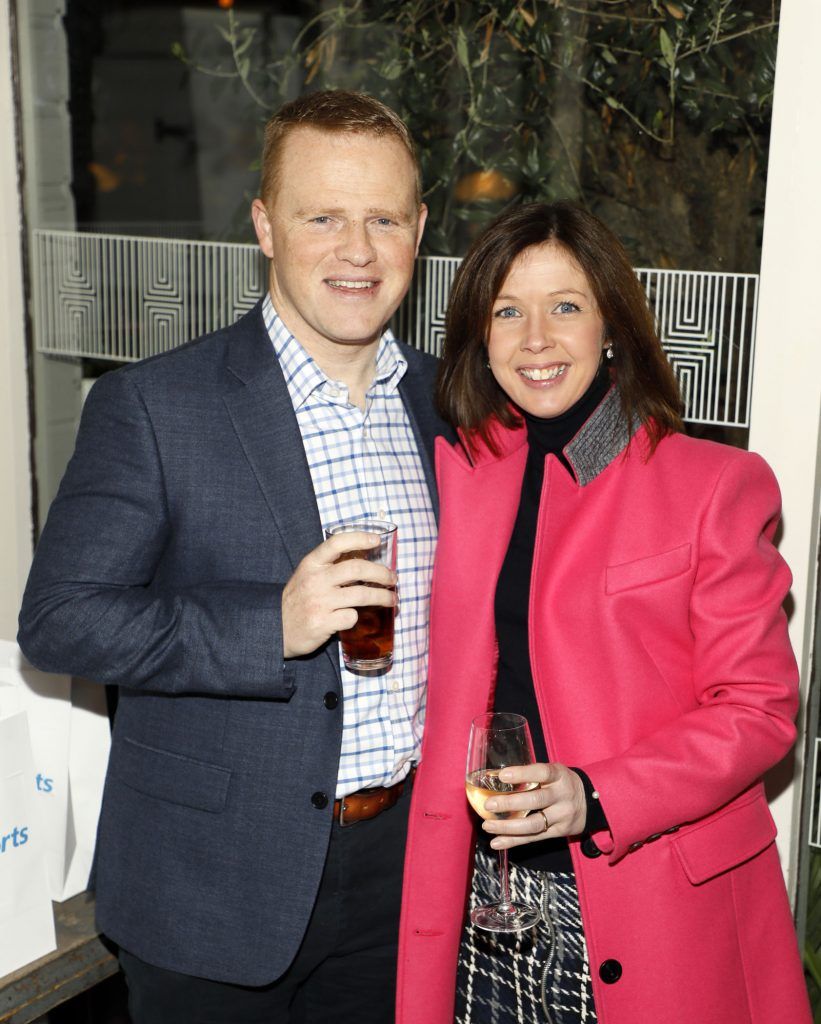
(557, 807)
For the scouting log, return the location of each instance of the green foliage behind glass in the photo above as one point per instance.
(541, 95)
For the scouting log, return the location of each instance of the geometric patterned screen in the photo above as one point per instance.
(706, 322)
(124, 298)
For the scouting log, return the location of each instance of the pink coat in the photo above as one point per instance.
(663, 669)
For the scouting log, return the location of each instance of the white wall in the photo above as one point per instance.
(15, 487)
(46, 128)
(787, 377)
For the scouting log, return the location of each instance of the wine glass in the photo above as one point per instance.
(498, 740)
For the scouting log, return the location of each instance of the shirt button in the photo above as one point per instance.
(330, 700)
(319, 800)
(333, 392)
(394, 687)
(610, 972)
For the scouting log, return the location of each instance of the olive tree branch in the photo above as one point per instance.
(728, 38)
(618, 105)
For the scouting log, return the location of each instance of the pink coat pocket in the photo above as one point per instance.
(653, 569)
(726, 839)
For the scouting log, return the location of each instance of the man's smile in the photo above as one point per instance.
(341, 285)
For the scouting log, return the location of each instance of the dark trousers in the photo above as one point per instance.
(345, 970)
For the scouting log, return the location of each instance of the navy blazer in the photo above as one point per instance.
(186, 507)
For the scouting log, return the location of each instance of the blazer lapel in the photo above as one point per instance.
(263, 416)
(260, 408)
(270, 438)
(416, 397)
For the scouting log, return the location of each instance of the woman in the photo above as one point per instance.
(614, 581)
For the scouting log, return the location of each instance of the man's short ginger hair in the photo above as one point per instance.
(336, 111)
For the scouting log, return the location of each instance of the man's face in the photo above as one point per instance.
(342, 233)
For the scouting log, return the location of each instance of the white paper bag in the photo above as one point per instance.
(26, 917)
(70, 740)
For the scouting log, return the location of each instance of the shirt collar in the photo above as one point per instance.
(303, 375)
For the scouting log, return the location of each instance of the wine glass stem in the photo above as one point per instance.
(505, 906)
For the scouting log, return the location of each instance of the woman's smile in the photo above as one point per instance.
(542, 374)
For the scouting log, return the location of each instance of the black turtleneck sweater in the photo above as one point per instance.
(514, 686)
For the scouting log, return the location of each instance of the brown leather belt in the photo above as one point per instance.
(367, 803)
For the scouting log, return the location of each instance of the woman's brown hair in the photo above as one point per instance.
(467, 393)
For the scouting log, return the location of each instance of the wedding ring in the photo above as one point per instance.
(546, 822)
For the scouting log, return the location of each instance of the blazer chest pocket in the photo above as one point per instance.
(652, 569)
(171, 777)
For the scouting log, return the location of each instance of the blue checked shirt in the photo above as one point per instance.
(367, 463)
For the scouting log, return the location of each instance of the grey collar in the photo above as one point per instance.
(604, 436)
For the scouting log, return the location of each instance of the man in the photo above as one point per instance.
(251, 839)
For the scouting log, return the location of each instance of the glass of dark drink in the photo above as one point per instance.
(368, 646)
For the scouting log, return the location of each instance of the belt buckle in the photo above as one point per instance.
(341, 819)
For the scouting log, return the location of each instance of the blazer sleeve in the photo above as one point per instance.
(744, 674)
(92, 606)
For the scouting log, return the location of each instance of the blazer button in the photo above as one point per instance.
(319, 800)
(330, 700)
(610, 972)
(589, 848)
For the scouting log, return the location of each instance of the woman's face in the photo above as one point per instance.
(546, 333)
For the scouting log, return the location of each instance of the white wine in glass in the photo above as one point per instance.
(499, 740)
(485, 783)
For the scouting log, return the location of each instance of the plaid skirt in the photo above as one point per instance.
(540, 975)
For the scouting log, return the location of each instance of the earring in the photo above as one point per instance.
(609, 351)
